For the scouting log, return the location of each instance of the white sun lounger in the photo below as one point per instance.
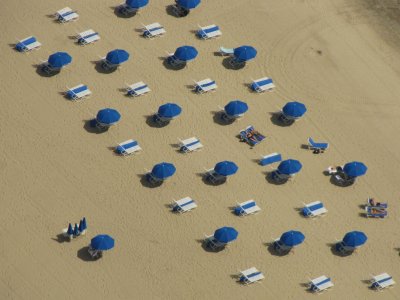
(137, 89)
(128, 147)
(320, 284)
(153, 30)
(250, 275)
(270, 159)
(184, 205)
(87, 37)
(190, 144)
(208, 32)
(262, 85)
(247, 208)
(226, 51)
(314, 209)
(78, 92)
(66, 15)
(205, 86)
(382, 281)
(28, 44)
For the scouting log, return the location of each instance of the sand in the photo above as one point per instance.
(338, 57)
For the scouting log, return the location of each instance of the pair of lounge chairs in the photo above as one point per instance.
(66, 15)
(87, 37)
(190, 145)
(212, 243)
(209, 32)
(78, 92)
(314, 209)
(137, 89)
(28, 44)
(382, 281)
(246, 208)
(320, 284)
(204, 86)
(375, 209)
(250, 275)
(251, 136)
(128, 147)
(184, 205)
(153, 30)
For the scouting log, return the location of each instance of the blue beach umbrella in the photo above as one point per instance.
(70, 231)
(84, 225)
(294, 109)
(102, 242)
(226, 168)
(137, 3)
(81, 225)
(188, 4)
(292, 238)
(59, 59)
(117, 56)
(76, 229)
(235, 108)
(226, 234)
(355, 239)
(355, 169)
(169, 110)
(289, 167)
(163, 170)
(108, 116)
(186, 53)
(245, 53)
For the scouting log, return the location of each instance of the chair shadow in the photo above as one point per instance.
(304, 147)
(44, 74)
(60, 238)
(146, 183)
(256, 160)
(337, 253)
(268, 177)
(217, 117)
(173, 68)
(177, 146)
(84, 255)
(275, 120)
(122, 16)
(226, 63)
(151, 123)
(210, 250)
(101, 70)
(208, 182)
(272, 251)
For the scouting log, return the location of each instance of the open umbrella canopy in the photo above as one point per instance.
(188, 4)
(355, 239)
(59, 59)
(117, 56)
(226, 168)
(245, 53)
(292, 238)
(226, 234)
(294, 109)
(163, 170)
(169, 110)
(186, 53)
(137, 3)
(108, 116)
(289, 167)
(102, 242)
(236, 107)
(355, 169)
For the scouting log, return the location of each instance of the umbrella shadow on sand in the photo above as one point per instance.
(218, 118)
(146, 183)
(275, 119)
(226, 62)
(84, 255)
(90, 126)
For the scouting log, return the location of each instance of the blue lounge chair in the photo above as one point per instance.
(251, 136)
(317, 147)
(153, 30)
(314, 209)
(78, 92)
(270, 159)
(87, 37)
(262, 85)
(28, 44)
(190, 145)
(205, 86)
(208, 32)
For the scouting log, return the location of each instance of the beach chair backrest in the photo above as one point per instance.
(270, 159)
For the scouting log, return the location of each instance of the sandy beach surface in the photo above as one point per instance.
(340, 58)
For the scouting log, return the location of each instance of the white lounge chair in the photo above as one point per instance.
(28, 44)
(66, 15)
(246, 208)
(153, 30)
(78, 92)
(87, 37)
(190, 144)
(270, 159)
(137, 89)
(226, 51)
(208, 32)
(128, 147)
(262, 85)
(184, 205)
(314, 209)
(382, 281)
(250, 275)
(205, 86)
(320, 284)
